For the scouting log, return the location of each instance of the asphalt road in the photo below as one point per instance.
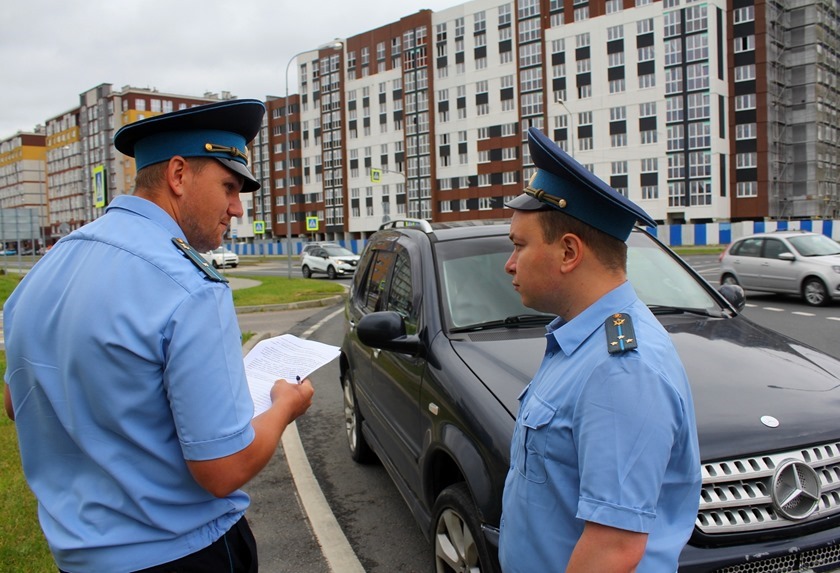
(817, 326)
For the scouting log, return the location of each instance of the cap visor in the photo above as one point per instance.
(525, 202)
(250, 182)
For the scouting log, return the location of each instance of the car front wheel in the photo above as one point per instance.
(331, 274)
(307, 272)
(814, 292)
(459, 542)
(215, 264)
(360, 452)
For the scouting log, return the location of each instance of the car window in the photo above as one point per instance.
(660, 280)
(336, 251)
(473, 282)
(815, 245)
(400, 295)
(773, 248)
(374, 285)
(747, 248)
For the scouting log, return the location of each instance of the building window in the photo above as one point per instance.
(618, 86)
(648, 136)
(744, 44)
(746, 160)
(745, 131)
(745, 14)
(744, 73)
(745, 189)
(746, 101)
(504, 15)
(614, 6)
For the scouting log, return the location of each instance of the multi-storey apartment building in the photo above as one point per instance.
(66, 180)
(69, 170)
(103, 111)
(23, 189)
(698, 111)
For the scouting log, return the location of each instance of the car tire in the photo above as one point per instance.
(215, 264)
(815, 292)
(233, 265)
(360, 451)
(728, 279)
(331, 274)
(459, 542)
(307, 272)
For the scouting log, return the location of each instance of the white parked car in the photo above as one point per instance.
(221, 257)
(332, 260)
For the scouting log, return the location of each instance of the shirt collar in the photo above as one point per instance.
(570, 335)
(147, 209)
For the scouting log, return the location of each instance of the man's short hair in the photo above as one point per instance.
(611, 252)
(151, 176)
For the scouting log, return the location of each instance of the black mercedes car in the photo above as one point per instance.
(438, 346)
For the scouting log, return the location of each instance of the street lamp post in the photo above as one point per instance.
(334, 45)
(571, 127)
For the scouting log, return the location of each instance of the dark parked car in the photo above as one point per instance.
(438, 346)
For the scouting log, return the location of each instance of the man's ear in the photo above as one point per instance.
(176, 174)
(571, 248)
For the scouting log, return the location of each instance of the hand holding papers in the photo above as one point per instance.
(287, 357)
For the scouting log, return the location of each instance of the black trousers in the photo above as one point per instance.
(233, 552)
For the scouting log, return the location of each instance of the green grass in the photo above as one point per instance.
(280, 290)
(22, 544)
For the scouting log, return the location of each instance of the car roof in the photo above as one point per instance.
(784, 233)
(452, 230)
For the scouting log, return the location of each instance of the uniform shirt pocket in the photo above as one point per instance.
(535, 422)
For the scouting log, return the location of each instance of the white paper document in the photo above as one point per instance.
(287, 357)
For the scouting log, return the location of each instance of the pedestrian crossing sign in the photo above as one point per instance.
(312, 223)
(375, 175)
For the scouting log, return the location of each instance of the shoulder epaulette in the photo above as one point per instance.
(620, 334)
(199, 261)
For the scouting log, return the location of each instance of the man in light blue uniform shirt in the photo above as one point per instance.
(125, 375)
(605, 468)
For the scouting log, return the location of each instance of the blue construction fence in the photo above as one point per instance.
(278, 247)
(723, 233)
(687, 235)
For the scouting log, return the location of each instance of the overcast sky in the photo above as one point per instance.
(53, 50)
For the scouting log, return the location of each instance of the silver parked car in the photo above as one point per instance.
(793, 262)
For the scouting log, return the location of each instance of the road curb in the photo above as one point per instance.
(292, 305)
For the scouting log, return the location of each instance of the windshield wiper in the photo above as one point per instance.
(661, 309)
(514, 321)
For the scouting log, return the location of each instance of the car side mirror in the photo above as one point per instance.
(786, 256)
(386, 330)
(734, 295)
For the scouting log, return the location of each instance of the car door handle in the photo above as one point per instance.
(352, 324)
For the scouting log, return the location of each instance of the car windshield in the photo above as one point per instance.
(815, 245)
(336, 251)
(476, 290)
